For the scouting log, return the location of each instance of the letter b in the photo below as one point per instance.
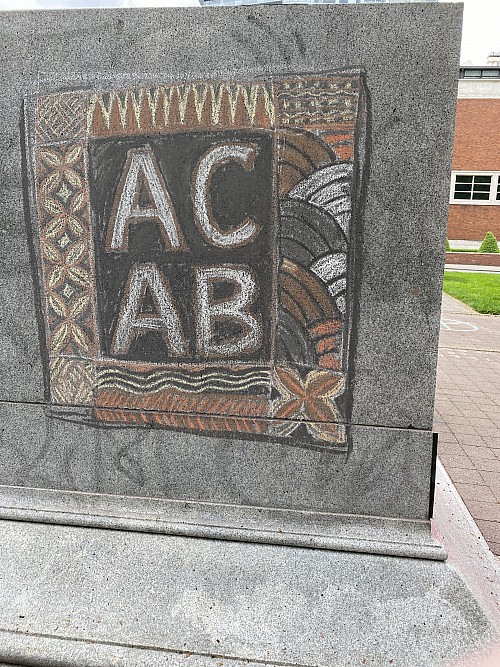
(234, 308)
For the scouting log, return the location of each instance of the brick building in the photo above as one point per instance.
(475, 182)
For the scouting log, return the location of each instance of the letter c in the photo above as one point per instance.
(244, 154)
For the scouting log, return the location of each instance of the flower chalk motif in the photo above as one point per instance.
(310, 400)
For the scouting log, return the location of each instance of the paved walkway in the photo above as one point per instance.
(468, 411)
(472, 268)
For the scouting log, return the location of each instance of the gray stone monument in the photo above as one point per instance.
(222, 263)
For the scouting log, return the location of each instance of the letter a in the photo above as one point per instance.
(235, 308)
(141, 170)
(166, 321)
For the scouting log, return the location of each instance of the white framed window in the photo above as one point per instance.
(475, 187)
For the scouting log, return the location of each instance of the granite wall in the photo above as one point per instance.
(223, 243)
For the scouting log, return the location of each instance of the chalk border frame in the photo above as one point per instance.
(336, 433)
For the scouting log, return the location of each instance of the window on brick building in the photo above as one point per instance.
(479, 73)
(475, 188)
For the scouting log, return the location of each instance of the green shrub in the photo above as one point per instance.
(489, 244)
(448, 245)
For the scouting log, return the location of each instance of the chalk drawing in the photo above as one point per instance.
(197, 247)
(457, 325)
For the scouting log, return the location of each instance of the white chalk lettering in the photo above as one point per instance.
(235, 308)
(141, 171)
(166, 321)
(244, 154)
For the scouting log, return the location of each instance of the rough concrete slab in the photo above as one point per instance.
(469, 268)
(451, 305)
(139, 597)
(144, 600)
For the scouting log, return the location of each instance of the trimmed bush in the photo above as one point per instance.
(489, 244)
(448, 245)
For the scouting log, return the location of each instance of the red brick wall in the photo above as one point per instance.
(477, 136)
(481, 258)
(476, 148)
(472, 222)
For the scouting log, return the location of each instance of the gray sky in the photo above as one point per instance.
(481, 33)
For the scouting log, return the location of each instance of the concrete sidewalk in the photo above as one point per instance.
(472, 268)
(467, 411)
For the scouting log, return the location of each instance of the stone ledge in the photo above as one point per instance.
(82, 596)
(262, 525)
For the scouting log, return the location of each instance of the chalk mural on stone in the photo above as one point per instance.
(197, 253)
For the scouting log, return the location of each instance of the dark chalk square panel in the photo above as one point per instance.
(236, 193)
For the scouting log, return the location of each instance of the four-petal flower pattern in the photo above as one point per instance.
(310, 400)
(65, 239)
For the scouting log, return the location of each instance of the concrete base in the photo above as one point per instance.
(321, 530)
(88, 596)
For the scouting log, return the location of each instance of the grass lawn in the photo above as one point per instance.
(481, 291)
